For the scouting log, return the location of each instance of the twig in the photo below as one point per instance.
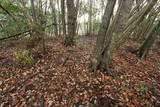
(16, 35)
(27, 32)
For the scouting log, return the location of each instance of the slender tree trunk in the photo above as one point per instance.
(116, 27)
(35, 26)
(77, 9)
(149, 41)
(59, 19)
(90, 17)
(147, 27)
(136, 8)
(142, 30)
(37, 23)
(109, 39)
(132, 23)
(63, 16)
(119, 23)
(45, 12)
(55, 18)
(34, 11)
(123, 16)
(78, 27)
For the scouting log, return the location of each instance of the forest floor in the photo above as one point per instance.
(61, 77)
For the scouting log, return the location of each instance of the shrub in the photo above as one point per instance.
(25, 58)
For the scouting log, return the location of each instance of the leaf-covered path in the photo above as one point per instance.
(61, 78)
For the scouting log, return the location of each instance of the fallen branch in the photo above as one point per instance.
(16, 35)
(27, 32)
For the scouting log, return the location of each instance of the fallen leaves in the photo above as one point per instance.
(61, 78)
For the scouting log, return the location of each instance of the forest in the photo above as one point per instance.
(79, 53)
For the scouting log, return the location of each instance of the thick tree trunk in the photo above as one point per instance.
(108, 42)
(115, 29)
(97, 62)
(72, 19)
(149, 41)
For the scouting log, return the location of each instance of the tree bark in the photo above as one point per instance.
(118, 24)
(72, 23)
(90, 17)
(109, 40)
(132, 23)
(55, 17)
(97, 62)
(116, 27)
(34, 11)
(59, 19)
(123, 16)
(63, 16)
(143, 50)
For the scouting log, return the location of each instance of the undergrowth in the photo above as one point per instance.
(25, 58)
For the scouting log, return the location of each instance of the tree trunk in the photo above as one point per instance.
(55, 18)
(116, 27)
(90, 17)
(123, 16)
(108, 42)
(72, 19)
(143, 50)
(63, 16)
(97, 62)
(33, 11)
(35, 28)
(148, 26)
(37, 23)
(118, 24)
(132, 23)
(59, 19)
